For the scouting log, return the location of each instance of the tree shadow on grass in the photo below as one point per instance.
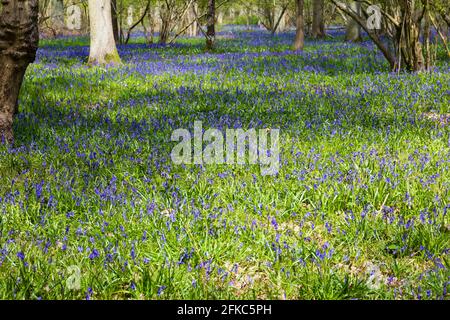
(151, 115)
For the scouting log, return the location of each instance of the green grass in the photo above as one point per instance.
(363, 186)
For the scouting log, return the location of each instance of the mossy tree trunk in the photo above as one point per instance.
(103, 47)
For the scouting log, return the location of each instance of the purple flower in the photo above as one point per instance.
(161, 290)
(133, 252)
(94, 254)
(89, 293)
(274, 223)
(21, 255)
(70, 214)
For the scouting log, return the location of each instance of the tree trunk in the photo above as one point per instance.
(300, 34)
(115, 22)
(19, 37)
(103, 47)
(166, 21)
(427, 39)
(211, 30)
(353, 31)
(318, 25)
(232, 14)
(408, 38)
(149, 33)
(164, 31)
(57, 16)
(85, 19)
(195, 24)
(279, 20)
(220, 18)
(193, 29)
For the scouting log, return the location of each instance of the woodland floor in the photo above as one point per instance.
(359, 208)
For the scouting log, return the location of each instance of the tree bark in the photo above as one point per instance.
(166, 21)
(318, 25)
(211, 28)
(115, 21)
(300, 33)
(149, 32)
(103, 47)
(408, 38)
(427, 37)
(19, 38)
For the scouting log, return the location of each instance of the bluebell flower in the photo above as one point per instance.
(21, 255)
(94, 254)
(161, 290)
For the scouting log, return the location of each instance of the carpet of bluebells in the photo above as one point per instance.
(359, 208)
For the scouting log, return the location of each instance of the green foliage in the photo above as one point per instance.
(244, 20)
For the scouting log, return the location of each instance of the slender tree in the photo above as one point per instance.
(300, 34)
(193, 29)
(318, 24)
(103, 47)
(115, 20)
(211, 28)
(19, 39)
(164, 30)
